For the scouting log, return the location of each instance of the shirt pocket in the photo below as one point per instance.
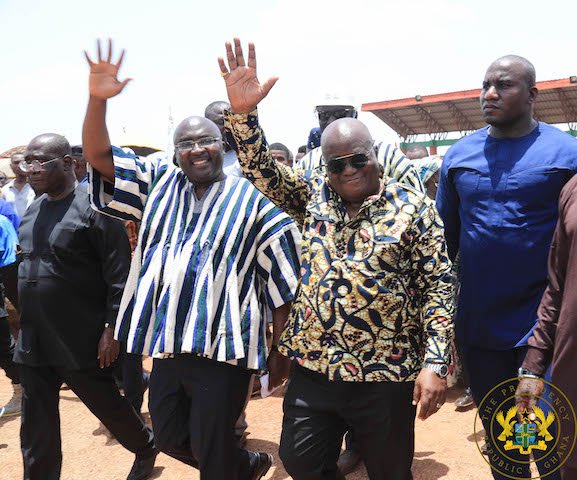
(64, 241)
(545, 183)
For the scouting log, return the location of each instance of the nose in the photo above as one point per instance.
(491, 92)
(196, 147)
(349, 169)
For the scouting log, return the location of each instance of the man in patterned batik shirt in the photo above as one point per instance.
(213, 254)
(370, 326)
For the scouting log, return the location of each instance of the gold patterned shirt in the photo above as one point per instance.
(375, 296)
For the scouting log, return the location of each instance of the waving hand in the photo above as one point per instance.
(243, 87)
(103, 81)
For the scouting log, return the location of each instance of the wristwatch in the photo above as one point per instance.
(524, 373)
(441, 369)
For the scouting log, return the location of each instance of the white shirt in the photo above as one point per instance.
(20, 199)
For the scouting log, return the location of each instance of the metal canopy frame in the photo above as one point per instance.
(437, 116)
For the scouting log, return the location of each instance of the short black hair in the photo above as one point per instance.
(302, 149)
(280, 146)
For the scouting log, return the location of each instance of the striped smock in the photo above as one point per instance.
(204, 270)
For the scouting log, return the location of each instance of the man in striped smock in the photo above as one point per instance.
(391, 159)
(212, 254)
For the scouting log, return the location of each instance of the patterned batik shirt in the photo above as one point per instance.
(375, 296)
(395, 164)
(204, 269)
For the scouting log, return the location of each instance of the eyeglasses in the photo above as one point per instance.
(355, 160)
(325, 115)
(35, 165)
(192, 144)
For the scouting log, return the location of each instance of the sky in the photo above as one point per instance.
(370, 50)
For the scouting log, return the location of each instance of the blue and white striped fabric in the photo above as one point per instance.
(202, 269)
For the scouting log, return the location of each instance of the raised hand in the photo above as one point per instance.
(242, 85)
(103, 80)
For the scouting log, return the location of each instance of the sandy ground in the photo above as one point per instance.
(445, 444)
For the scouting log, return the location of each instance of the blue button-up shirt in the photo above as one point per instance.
(498, 199)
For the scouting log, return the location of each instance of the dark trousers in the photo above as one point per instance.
(317, 413)
(488, 368)
(129, 374)
(194, 403)
(7, 351)
(40, 431)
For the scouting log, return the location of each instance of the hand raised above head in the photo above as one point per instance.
(103, 80)
(242, 85)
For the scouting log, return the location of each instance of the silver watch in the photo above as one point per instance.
(441, 369)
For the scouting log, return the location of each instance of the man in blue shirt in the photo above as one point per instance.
(498, 196)
(8, 246)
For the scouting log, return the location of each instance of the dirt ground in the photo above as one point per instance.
(445, 444)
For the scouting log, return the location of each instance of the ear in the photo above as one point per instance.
(175, 161)
(533, 92)
(68, 162)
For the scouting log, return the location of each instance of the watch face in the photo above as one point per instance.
(443, 371)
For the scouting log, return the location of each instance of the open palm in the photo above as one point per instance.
(103, 81)
(242, 85)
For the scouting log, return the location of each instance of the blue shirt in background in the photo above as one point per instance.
(9, 212)
(8, 242)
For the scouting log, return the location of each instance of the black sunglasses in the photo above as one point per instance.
(356, 160)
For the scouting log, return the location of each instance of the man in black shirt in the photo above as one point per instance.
(74, 267)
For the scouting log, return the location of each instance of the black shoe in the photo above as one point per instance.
(142, 467)
(348, 461)
(260, 465)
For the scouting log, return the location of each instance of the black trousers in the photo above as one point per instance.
(128, 372)
(194, 404)
(487, 369)
(40, 431)
(318, 412)
(7, 351)
(9, 277)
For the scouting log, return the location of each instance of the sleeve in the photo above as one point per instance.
(432, 266)
(110, 240)
(286, 187)
(448, 207)
(542, 340)
(278, 256)
(9, 212)
(132, 179)
(398, 167)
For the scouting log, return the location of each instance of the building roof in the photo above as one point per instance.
(437, 115)
(11, 151)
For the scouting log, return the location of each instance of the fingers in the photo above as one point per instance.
(90, 62)
(101, 358)
(108, 55)
(223, 70)
(268, 85)
(98, 50)
(230, 57)
(238, 52)
(251, 55)
(416, 393)
(124, 83)
(120, 60)
(427, 408)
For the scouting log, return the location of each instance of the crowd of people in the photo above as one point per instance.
(344, 270)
